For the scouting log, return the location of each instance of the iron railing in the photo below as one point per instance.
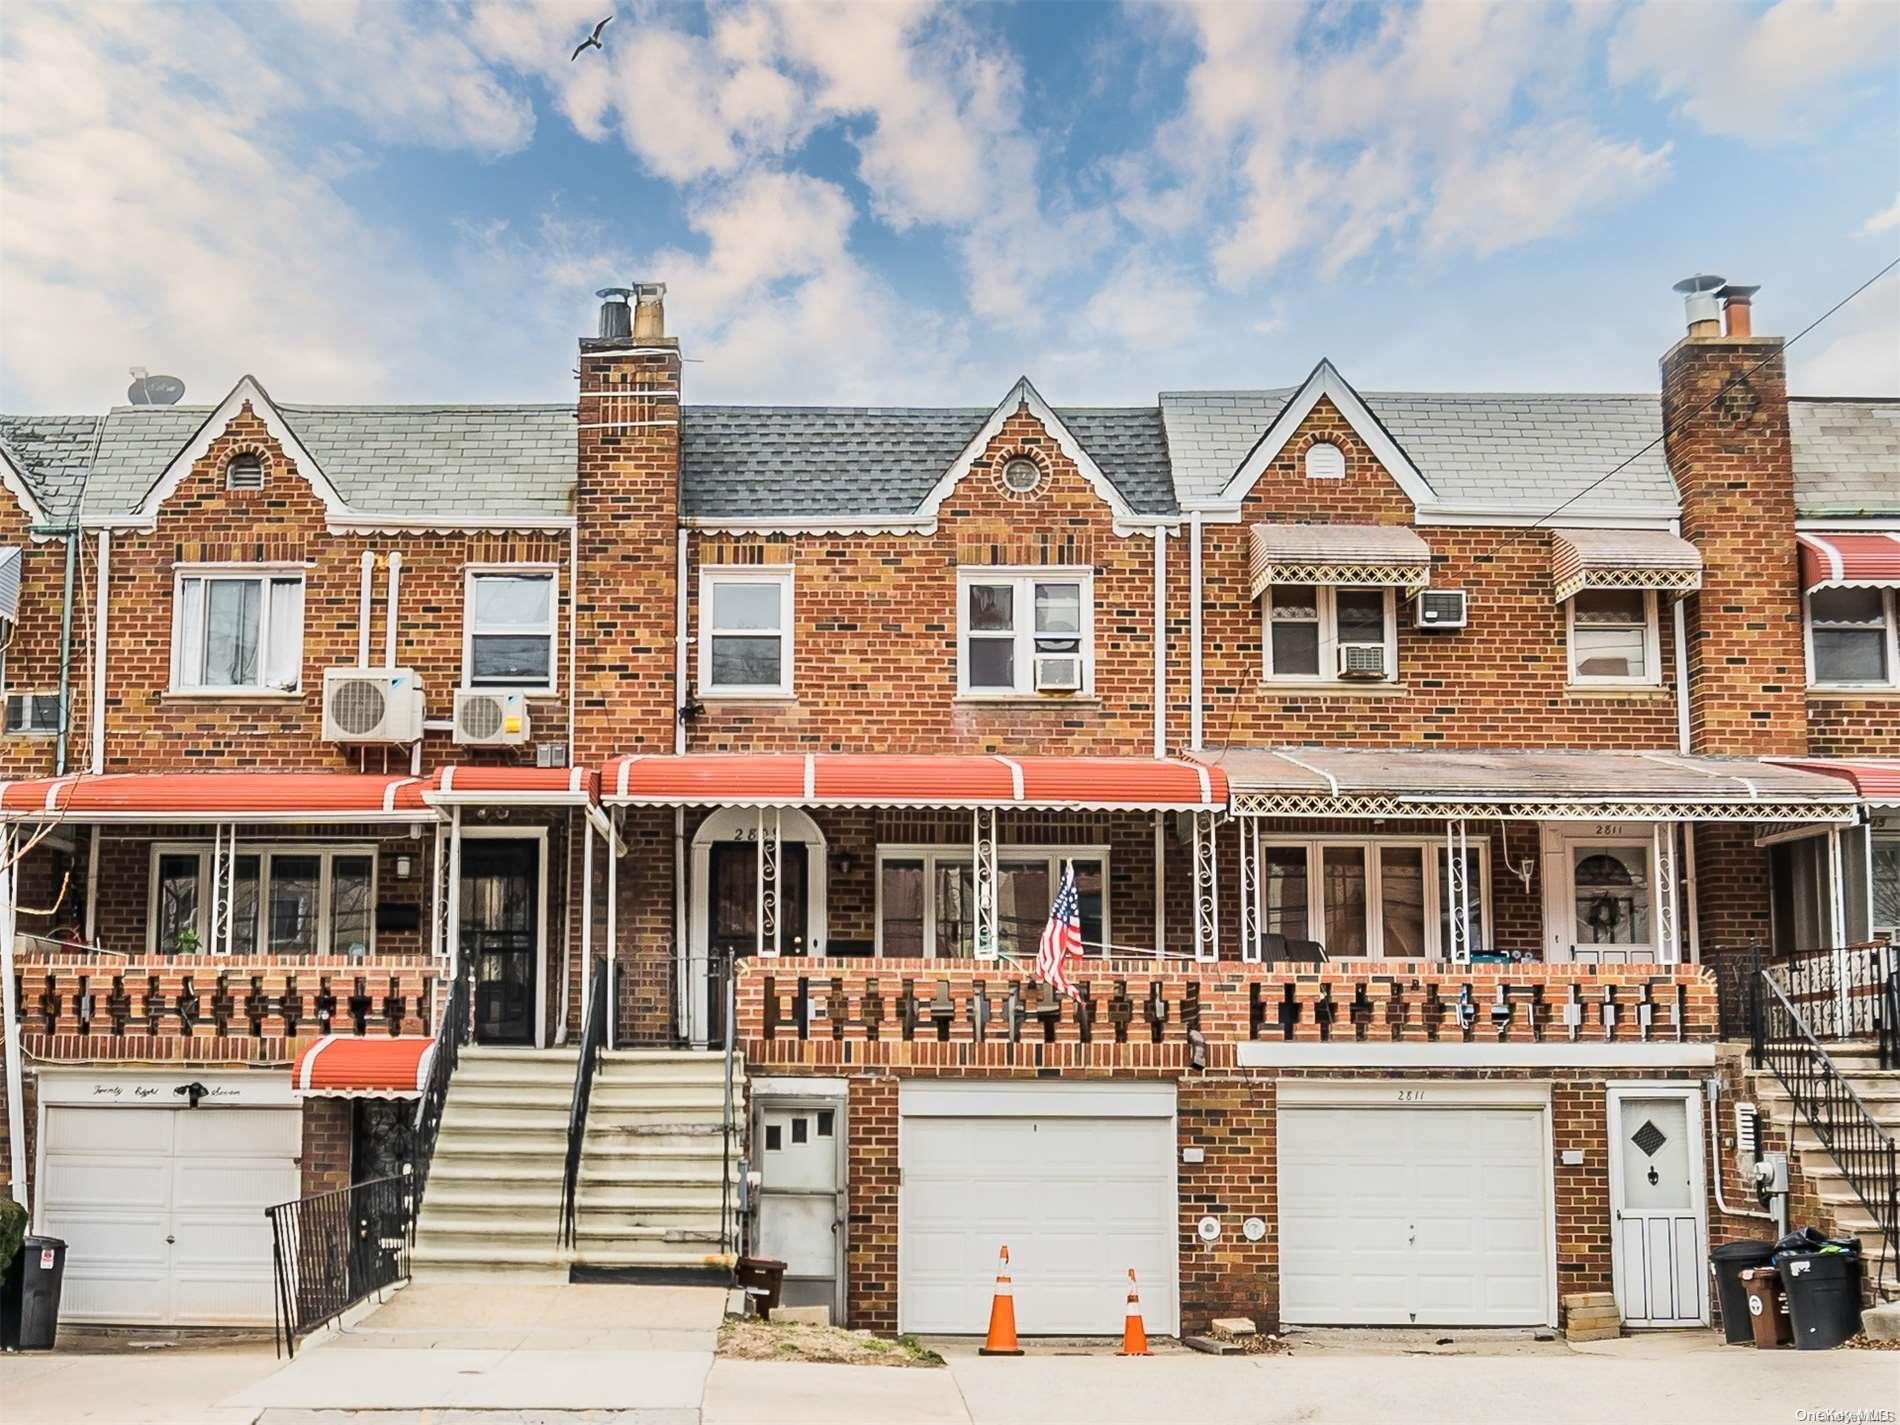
(593, 1042)
(1840, 990)
(728, 1238)
(1888, 1041)
(1865, 1152)
(450, 1035)
(336, 1248)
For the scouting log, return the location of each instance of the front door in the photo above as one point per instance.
(733, 914)
(801, 1205)
(1656, 1208)
(1602, 900)
(500, 935)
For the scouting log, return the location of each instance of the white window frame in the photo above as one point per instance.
(1025, 577)
(264, 574)
(325, 851)
(1890, 610)
(29, 697)
(938, 854)
(1652, 646)
(472, 574)
(1435, 890)
(1878, 837)
(1326, 600)
(776, 574)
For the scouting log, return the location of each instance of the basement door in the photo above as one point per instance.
(163, 1210)
(1656, 1198)
(1077, 1180)
(1414, 1216)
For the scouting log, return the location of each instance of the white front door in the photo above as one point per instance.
(1414, 1216)
(1656, 1203)
(1600, 896)
(162, 1210)
(1077, 1180)
(801, 1207)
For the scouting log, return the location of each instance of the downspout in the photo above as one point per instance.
(395, 596)
(66, 655)
(363, 596)
(1680, 626)
(10, 1035)
(567, 930)
(1194, 635)
(613, 935)
(682, 947)
(99, 656)
(1161, 642)
(573, 629)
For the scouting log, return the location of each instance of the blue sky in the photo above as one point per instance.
(915, 203)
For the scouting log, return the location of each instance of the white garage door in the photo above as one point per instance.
(1417, 1216)
(162, 1210)
(1078, 1182)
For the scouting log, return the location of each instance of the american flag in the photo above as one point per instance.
(1062, 936)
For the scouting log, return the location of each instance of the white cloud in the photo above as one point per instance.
(1885, 221)
(1857, 353)
(1505, 197)
(1148, 302)
(1734, 73)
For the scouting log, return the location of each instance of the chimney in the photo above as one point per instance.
(1736, 304)
(1699, 304)
(649, 316)
(616, 318)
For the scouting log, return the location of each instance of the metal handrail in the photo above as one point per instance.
(450, 1035)
(728, 1240)
(334, 1249)
(1865, 1152)
(593, 1042)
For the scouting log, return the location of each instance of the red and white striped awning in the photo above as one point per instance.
(1877, 780)
(345, 1066)
(1864, 561)
(886, 780)
(218, 796)
(534, 786)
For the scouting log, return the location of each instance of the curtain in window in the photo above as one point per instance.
(285, 643)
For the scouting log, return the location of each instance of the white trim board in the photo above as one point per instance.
(1581, 1054)
(265, 409)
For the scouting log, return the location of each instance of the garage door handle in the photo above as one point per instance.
(169, 1239)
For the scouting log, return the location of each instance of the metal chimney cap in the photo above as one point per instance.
(621, 292)
(649, 291)
(1701, 282)
(1733, 291)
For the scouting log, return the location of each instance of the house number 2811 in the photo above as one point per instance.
(1411, 1095)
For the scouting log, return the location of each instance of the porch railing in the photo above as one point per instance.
(593, 1043)
(334, 1249)
(1843, 992)
(1865, 1152)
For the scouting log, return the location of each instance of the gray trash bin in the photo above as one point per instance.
(29, 1298)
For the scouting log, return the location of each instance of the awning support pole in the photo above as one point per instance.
(438, 938)
(1837, 913)
(1161, 882)
(614, 848)
(10, 1032)
(452, 896)
(983, 872)
(92, 884)
(1249, 837)
(771, 927)
(1668, 932)
(1206, 889)
(587, 918)
(1460, 917)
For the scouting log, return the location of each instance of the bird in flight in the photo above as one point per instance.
(591, 42)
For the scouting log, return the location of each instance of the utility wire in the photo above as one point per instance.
(1722, 391)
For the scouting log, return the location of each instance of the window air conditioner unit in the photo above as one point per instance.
(1058, 672)
(484, 718)
(1439, 608)
(1362, 660)
(372, 705)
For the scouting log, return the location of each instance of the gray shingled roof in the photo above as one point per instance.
(1846, 456)
(513, 460)
(764, 461)
(53, 452)
(1505, 450)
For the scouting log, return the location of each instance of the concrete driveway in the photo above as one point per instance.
(616, 1355)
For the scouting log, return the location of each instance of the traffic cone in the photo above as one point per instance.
(1002, 1338)
(1134, 1334)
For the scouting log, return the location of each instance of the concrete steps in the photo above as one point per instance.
(652, 1170)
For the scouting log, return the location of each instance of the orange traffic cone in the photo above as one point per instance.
(1002, 1338)
(1134, 1334)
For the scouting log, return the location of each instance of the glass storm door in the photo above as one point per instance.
(733, 913)
(1602, 907)
(500, 912)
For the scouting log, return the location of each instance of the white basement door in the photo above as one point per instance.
(1076, 1180)
(1422, 1216)
(162, 1210)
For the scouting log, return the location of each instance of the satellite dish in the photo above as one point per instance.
(147, 390)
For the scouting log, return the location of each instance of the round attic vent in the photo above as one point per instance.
(1022, 475)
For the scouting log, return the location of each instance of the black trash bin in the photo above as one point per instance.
(29, 1297)
(1726, 1264)
(1823, 1298)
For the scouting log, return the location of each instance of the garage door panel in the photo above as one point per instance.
(1394, 1216)
(1078, 1200)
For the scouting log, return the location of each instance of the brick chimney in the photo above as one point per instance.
(626, 504)
(1726, 438)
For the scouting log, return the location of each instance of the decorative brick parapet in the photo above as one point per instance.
(213, 1008)
(1144, 1014)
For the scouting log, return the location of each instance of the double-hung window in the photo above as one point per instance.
(509, 629)
(1308, 626)
(32, 714)
(287, 900)
(1023, 632)
(1851, 638)
(1613, 637)
(745, 634)
(1885, 874)
(237, 630)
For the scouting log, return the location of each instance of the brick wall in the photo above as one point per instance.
(1501, 682)
(327, 1143)
(1725, 433)
(31, 657)
(1867, 726)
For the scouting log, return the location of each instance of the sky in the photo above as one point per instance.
(916, 203)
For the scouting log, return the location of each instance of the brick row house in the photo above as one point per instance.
(1431, 769)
